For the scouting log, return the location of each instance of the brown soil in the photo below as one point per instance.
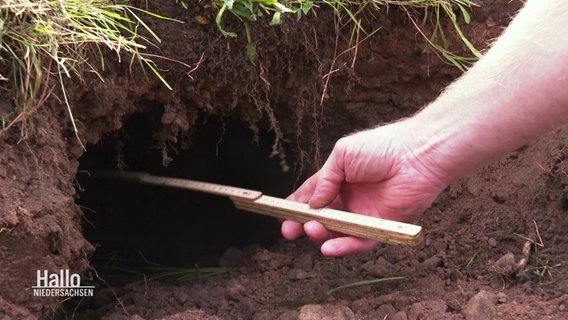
(137, 124)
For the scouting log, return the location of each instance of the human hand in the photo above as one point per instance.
(512, 95)
(380, 172)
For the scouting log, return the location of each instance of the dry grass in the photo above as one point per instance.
(44, 43)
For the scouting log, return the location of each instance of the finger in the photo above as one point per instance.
(346, 245)
(330, 179)
(317, 232)
(305, 191)
(291, 230)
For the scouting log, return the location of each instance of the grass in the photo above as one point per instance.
(43, 43)
(349, 12)
(46, 43)
(158, 271)
(324, 296)
(543, 268)
(471, 262)
(113, 268)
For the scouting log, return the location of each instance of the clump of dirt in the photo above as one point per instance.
(40, 225)
(454, 274)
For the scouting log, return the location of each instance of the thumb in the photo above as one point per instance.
(330, 179)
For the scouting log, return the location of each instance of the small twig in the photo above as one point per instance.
(76, 308)
(145, 284)
(38, 167)
(262, 76)
(523, 237)
(197, 65)
(525, 256)
(356, 49)
(118, 300)
(327, 77)
(191, 69)
(419, 29)
(540, 243)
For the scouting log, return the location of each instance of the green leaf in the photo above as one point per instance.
(282, 8)
(306, 7)
(229, 3)
(218, 22)
(245, 11)
(251, 51)
(328, 293)
(276, 19)
(266, 2)
(466, 16)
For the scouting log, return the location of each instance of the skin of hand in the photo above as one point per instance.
(374, 172)
(514, 94)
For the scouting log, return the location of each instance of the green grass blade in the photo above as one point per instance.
(328, 293)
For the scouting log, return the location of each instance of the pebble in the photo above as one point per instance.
(181, 297)
(506, 265)
(288, 315)
(502, 297)
(386, 309)
(296, 274)
(427, 309)
(481, 306)
(399, 316)
(232, 258)
(11, 218)
(432, 262)
(266, 260)
(456, 275)
(379, 268)
(235, 290)
(328, 312)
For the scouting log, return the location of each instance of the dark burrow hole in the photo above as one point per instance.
(129, 222)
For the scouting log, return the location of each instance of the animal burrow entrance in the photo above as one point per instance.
(130, 222)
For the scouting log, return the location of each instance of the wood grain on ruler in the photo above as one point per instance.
(348, 223)
(193, 185)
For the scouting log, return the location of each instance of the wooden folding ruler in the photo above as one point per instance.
(348, 223)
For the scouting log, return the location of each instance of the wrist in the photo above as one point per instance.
(447, 144)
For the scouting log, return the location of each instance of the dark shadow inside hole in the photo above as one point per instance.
(171, 226)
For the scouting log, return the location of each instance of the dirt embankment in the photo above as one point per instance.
(390, 77)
